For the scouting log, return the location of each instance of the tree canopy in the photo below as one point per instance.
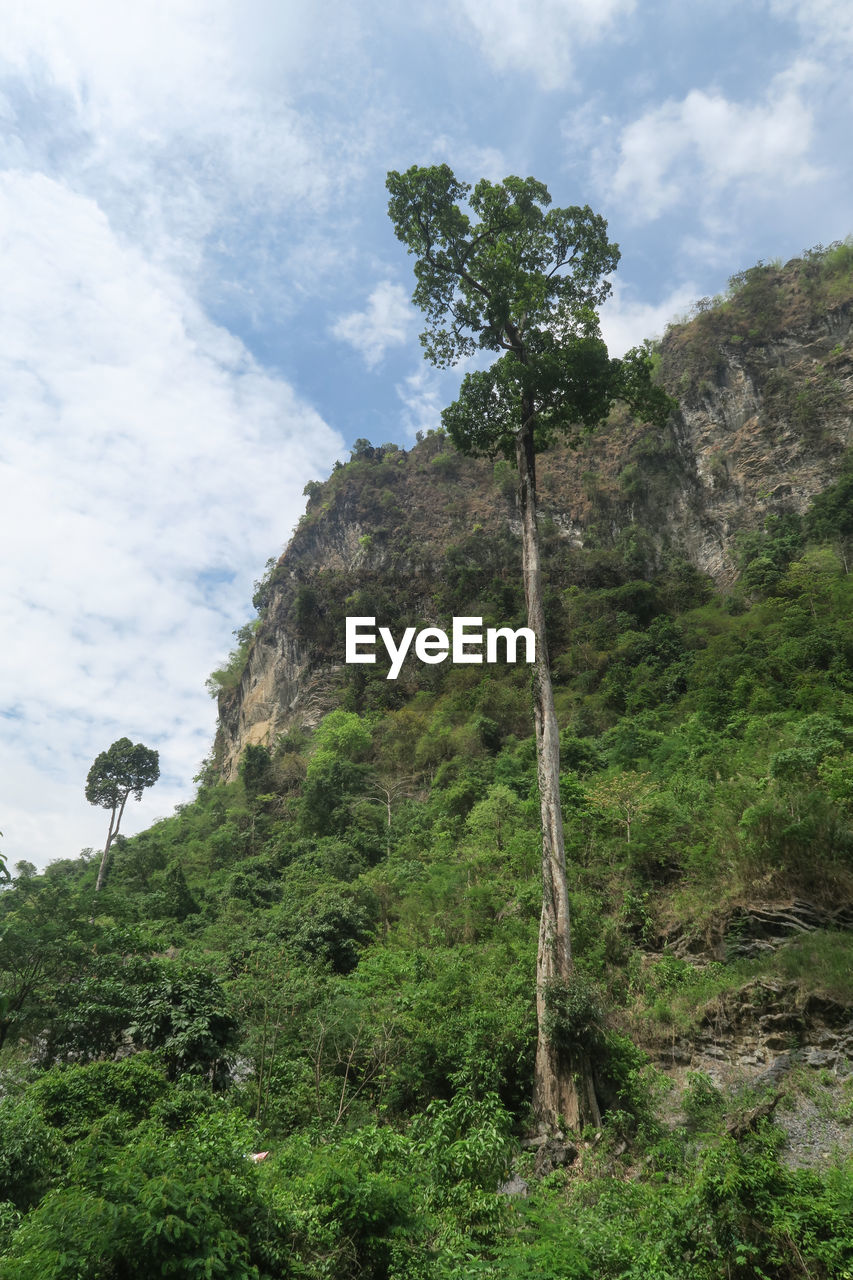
(124, 769)
(523, 279)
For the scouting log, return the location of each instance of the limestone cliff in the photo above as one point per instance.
(764, 385)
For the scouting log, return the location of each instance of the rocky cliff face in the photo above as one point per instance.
(764, 384)
(762, 434)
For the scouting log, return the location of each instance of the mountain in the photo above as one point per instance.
(764, 385)
(293, 1034)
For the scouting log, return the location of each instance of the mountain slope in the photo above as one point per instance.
(764, 384)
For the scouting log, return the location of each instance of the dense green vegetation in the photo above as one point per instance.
(332, 958)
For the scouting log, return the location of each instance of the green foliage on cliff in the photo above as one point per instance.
(761, 303)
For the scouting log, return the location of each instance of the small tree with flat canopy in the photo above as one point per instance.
(498, 270)
(121, 771)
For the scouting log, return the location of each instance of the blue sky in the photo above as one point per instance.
(203, 302)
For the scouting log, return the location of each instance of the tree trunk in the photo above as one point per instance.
(111, 834)
(563, 1090)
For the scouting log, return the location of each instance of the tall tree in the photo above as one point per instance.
(121, 771)
(497, 269)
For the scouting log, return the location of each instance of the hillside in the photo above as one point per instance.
(764, 385)
(328, 958)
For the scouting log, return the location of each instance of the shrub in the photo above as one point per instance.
(182, 1204)
(32, 1154)
(185, 1017)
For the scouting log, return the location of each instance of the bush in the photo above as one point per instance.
(185, 1017)
(32, 1154)
(184, 1204)
(256, 771)
(574, 1014)
(72, 1099)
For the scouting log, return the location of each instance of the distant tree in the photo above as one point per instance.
(495, 818)
(362, 449)
(344, 734)
(390, 790)
(525, 281)
(624, 798)
(121, 771)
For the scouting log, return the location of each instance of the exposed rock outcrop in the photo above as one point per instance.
(764, 417)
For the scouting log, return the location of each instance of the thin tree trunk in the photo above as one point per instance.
(563, 1090)
(111, 835)
(261, 1064)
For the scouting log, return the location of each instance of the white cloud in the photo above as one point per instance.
(827, 23)
(626, 320)
(190, 68)
(385, 322)
(421, 395)
(470, 163)
(148, 466)
(694, 150)
(541, 37)
(185, 122)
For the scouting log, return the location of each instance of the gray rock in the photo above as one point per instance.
(515, 1186)
(778, 1042)
(819, 1058)
(778, 1067)
(554, 1155)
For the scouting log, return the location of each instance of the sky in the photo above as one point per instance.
(204, 303)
